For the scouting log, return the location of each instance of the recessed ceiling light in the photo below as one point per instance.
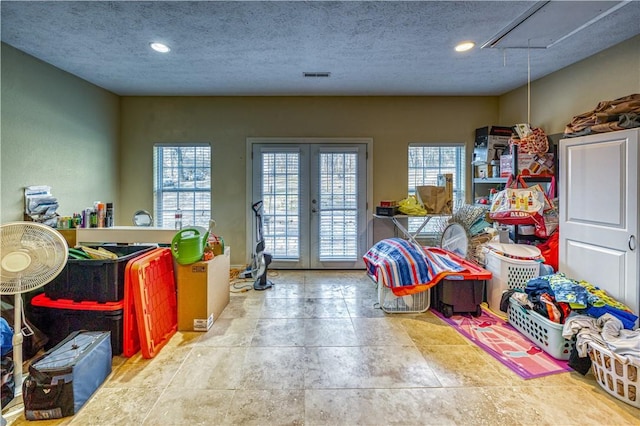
(464, 46)
(159, 47)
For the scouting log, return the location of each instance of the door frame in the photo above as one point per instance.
(250, 220)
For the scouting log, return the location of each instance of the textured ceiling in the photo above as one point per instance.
(263, 47)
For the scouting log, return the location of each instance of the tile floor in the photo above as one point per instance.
(314, 351)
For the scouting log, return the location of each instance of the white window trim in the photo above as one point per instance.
(462, 184)
(156, 176)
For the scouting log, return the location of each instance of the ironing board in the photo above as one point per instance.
(411, 236)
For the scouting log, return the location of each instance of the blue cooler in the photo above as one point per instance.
(62, 380)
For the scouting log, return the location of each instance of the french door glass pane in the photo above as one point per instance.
(281, 197)
(338, 206)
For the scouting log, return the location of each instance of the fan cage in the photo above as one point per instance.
(465, 215)
(46, 247)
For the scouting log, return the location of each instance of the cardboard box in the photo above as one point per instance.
(506, 165)
(528, 165)
(482, 171)
(446, 180)
(495, 146)
(483, 133)
(203, 292)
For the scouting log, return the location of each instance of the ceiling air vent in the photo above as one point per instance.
(316, 74)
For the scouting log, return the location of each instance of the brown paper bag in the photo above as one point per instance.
(427, 196)
(435, 199)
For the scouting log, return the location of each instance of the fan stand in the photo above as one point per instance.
(18, 262)
(24, 245)
(18, 338)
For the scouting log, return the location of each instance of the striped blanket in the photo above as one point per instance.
(407, 268)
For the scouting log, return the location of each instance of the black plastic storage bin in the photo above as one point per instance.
(95, 280)
(58, 318)
(459, 296)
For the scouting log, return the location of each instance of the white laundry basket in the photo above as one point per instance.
(409, 304)
(511, 266)
(546, 334)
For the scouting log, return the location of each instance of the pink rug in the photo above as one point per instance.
(506, 344)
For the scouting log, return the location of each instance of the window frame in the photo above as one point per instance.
(459, 179)
(192, 215)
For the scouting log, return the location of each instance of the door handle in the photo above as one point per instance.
(632, 243)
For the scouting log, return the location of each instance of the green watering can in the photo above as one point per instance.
(188, 245)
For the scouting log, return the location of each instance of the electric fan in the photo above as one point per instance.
(455, 232)
(454, 239)
(32, 255)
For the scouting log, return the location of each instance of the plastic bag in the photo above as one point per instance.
(411, 207)
(549, 250)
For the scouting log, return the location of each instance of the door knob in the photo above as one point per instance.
(632, 242)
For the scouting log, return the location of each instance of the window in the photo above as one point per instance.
(426, 162)
(182, 180)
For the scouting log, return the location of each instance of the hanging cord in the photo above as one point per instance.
(528, 82)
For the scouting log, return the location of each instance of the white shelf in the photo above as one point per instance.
(125, 234)
(490, 180)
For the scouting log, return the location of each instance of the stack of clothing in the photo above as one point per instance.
(556, 296)
(587, 313)
(608, 116)
(41, 205)
(607, 331)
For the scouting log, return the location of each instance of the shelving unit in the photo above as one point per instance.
(481, 187)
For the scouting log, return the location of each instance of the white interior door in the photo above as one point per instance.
(315, 203)
(599, 213)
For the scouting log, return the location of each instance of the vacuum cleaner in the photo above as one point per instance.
(261, 260)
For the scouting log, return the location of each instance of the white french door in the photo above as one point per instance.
(314, 203)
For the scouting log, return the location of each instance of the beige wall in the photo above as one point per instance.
(226, 122)
(558, 97)
(62, 131)
(57, 130)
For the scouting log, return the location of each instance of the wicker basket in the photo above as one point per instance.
(620, 380)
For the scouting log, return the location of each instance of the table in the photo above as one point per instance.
(409, 235)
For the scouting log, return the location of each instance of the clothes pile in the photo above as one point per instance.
(556, 296)
(608, 116)
(40, 205)
(587, 313)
